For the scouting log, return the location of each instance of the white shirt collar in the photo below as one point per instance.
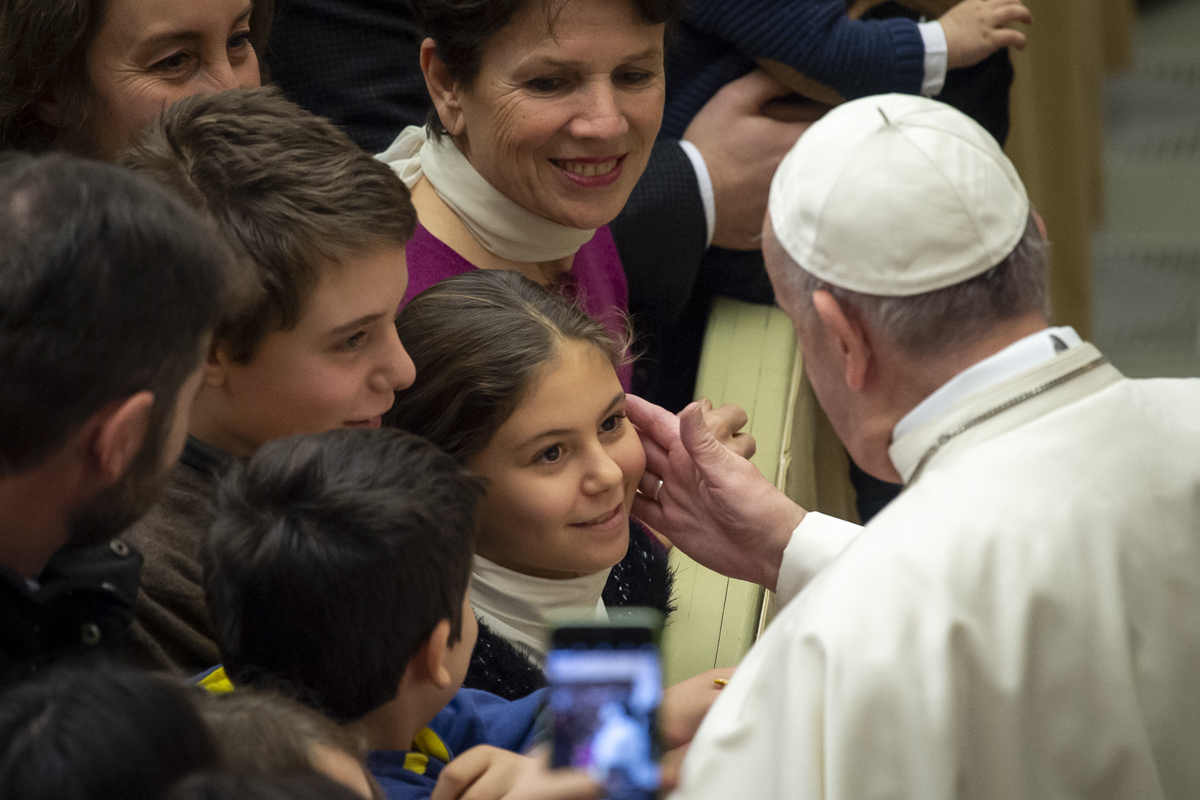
(1018, 357)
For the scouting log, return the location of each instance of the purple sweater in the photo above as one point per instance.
(596, 280)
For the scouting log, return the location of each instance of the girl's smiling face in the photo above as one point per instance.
(562, 471)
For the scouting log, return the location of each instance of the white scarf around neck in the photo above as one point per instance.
(503, 227)
(514, 605)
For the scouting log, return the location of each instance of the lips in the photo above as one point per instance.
(602, 520)
(591, 172)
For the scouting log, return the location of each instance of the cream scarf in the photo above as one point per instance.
(513, 605)
(504, 228)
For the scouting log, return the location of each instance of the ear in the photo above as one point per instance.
(431, 658)
(119, 435)
(443, 89)
(848, 337)
(216, 365)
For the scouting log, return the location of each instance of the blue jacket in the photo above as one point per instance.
(471, 718)
(720, 41)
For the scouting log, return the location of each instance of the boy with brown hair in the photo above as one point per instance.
(323, 225)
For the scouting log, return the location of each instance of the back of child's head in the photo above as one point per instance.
(331, 560)
(86, 731)
(263, 733)
(288, 189)
(238, 786)
(479, 341)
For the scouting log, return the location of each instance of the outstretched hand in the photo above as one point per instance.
(977, 28)
(712, 504)
(742, 148)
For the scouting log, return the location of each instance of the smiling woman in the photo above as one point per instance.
(88, 75)
(545, 115)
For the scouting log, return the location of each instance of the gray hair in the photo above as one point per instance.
(942, 320)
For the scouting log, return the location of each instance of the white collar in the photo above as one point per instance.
(514, 605)
(1018, 357)
(503, 227)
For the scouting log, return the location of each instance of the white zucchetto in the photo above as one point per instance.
(897, 195)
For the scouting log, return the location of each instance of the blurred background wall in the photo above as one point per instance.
(1106, 134)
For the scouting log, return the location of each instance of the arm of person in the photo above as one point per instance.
(490, 773)
(708, 189)
(719, 510)
(816, 38)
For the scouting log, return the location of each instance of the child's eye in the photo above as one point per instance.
(354, 341)
(612, 423)
(550, 454)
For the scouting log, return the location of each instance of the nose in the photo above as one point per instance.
(396, 370)
(600, 115)
(603, 473)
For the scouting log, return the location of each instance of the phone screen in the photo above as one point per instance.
(605, 689)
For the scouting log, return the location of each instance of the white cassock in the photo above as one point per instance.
(1022, 622)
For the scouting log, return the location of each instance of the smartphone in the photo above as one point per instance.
(605, 689)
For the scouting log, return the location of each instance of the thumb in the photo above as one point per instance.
(707, 453)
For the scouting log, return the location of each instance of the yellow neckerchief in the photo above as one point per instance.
(217, 682)
(426, 745)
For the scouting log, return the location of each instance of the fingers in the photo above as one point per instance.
(708, 454)
(754, 89)
(461, 773)
(650, 513)
(1007, 38)
(654, 421)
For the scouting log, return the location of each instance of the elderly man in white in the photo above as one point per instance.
(1024, 620)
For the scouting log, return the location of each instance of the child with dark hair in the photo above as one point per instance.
(90, 731)
(264, 733)
(521, 387)
(323, 227)
(336, 571)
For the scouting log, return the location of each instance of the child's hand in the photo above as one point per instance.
(976, 28)
(685, 704)
(489, 773)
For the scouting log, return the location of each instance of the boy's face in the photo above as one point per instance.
(339, 367)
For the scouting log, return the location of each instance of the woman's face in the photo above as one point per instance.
(150, 53)
(562, 472)
(562, 121)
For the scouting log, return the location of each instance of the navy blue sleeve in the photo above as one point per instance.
(855, 57)
(473, 717)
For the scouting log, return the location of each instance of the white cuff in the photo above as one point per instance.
(936, 54)
(816, 542)
(706, 187)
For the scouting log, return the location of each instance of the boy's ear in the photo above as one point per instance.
(216, 364)
(443, 89)
(431, 658)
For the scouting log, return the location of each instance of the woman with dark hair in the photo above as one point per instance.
(545, 113)
(88, 75)
(92, 731)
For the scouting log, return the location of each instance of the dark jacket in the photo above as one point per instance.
(82, 604)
